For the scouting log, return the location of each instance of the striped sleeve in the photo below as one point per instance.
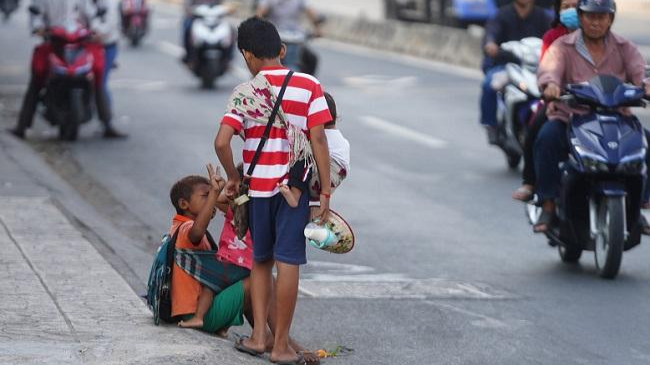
(233, 120)
(318, 112)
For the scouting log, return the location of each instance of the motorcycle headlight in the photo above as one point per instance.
(594, 166)
(591, 161)
(633, 164)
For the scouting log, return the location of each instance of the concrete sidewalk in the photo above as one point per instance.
(63, 303)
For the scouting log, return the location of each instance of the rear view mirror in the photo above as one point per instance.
(34, 10)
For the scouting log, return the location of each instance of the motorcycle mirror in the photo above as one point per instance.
(101, 12)
(34, 10)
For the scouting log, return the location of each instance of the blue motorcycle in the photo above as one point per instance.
(602, 181)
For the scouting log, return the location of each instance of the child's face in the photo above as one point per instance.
(198, 200)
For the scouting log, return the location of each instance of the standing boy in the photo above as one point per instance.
(276, 228)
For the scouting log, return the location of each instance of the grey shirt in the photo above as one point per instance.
(285, 14)
(60, 13)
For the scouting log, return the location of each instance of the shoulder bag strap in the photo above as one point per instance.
(213, 244)
(267, 130)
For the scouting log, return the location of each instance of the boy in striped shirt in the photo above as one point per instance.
(276, 228)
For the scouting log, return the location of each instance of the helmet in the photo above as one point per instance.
(597, 6)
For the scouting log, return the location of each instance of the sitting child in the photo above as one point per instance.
(195, 200)
(301, 180)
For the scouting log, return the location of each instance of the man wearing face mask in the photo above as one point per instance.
(590, 51)
(513, 22)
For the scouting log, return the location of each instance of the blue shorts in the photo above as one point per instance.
(277, 230)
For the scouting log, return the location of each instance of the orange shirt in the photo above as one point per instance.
(185, 289)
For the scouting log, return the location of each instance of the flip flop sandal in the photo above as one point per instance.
(545, 220)
(299, 361)
(523, 194)
(645, 226)
(239, 346)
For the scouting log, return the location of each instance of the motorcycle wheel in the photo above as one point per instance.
(610, 240)
(208, 75)
(569, 254)
(69, 129)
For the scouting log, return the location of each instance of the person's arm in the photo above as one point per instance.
(551, 70)
(223, 203)
(322, 156)
(224, 152)
(202, 220)
(315, 18)
(38, 20)
(493, 29)
(634, 64)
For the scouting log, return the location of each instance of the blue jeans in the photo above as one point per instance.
(489, 98)
(551, 148)
(110, 54)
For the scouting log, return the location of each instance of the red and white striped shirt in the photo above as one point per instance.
(304, 106)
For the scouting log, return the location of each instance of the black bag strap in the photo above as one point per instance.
(267, 130)
(213, 244)
(170, 251)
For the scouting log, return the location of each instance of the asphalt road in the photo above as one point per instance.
(446, 269)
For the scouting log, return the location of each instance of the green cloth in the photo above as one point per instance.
(227, 309)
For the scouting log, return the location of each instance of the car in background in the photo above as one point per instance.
(457, 13)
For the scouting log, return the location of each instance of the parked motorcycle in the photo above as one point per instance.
(69, 88)
(7, 7)
(602, 180)
(212, 39)
(518, 95)
(135, 20)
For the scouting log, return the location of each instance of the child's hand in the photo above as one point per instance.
(216, 181)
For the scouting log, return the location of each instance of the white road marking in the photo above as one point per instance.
(379, 81)
(403, 132)
(483, 320)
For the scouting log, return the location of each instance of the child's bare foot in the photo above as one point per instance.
(288, 195)
(193, 322)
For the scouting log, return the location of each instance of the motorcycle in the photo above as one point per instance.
(7, 7)
(602, 180)
(212, 39)
(298, 56)
(69, 89)
(135, 20)
(518, 95)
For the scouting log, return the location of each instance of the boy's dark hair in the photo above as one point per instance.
(331, 105)
(184, 188)
(259, 37)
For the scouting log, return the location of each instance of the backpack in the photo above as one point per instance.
(160, 279)
(159, 286)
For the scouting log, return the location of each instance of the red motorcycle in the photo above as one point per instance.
(135, 20)
(69, 89)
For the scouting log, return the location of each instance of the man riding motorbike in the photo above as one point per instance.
(513, 22)
(286, 15)
(188, 5)
(590, 51)
(51, 13)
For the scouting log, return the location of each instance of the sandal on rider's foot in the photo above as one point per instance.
(523, 193)
(239, 346)
(645, 226)
(544, 222)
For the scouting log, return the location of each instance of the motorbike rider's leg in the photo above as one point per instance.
(37, 82)
(550, 149)
(526, 190)
(103, 106)
(110, 54)
(489, 105)
(291, 58)
(187, 41)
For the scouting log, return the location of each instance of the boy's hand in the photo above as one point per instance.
(216, 181)
(232, 188)
(324, 210)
